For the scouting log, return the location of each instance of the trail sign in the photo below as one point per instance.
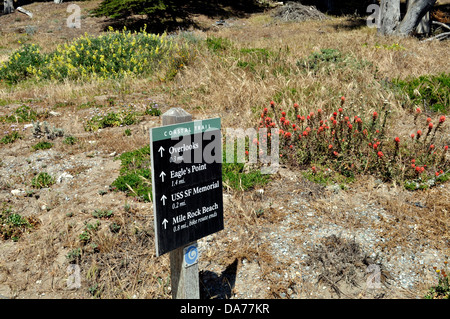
(187, 182)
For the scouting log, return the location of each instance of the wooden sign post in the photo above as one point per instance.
(187, 193)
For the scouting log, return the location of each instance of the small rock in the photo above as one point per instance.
(64, 176)
(18, 192)
(53, 113)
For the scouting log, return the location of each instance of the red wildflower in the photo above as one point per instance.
(397, 140)
(291, 146)
(375, 115)
(311, 114)
(428, 119)
(330, 147)
(413, 161)
(442, 119)
(412, 135)
(340, 110)
(419, 133)
(342, 99)
(430, 126)
(431, 146)
(445, 147)
(272, 103)
(335, 153)
(380, 154)
(418, 110)
(295, 105)
(283, 113)
(298, 116)
(265, 110)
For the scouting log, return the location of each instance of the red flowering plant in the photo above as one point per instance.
(351, 144)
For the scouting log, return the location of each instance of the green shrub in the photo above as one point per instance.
(10, 138)
(22, 114)
(42, 146)
(70, 140)
(110, 55)
(13, 225)
(235, 177)
(18, 67)
(217, 44)
(135, 175)
(350, 145)
(42, 180)
(112, 119)
(102, 213)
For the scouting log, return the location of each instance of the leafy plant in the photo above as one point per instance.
(111, 55)
(22, 114)
(42, 180)
(350, 145)
(10, 138)
(70, 140)
(13, 225)
(432, 91)
(99, 213)
(17, 68)
(216, 45)
(442, 289)
(42, 146)
(135, 175)
(125, 117)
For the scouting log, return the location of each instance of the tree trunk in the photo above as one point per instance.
(390, 23)
(8, 6)
(417, 11)
(389, 16)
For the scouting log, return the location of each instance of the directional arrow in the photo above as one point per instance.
(163, 199)
(164, 222)
(162, 175)
(161, 150)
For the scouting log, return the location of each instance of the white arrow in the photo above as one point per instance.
(163, 198)
(164, 222)
(161, 150)
(162, 175)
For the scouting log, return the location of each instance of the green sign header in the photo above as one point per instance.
(182, 129)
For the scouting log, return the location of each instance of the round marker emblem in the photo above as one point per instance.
(191, 255)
